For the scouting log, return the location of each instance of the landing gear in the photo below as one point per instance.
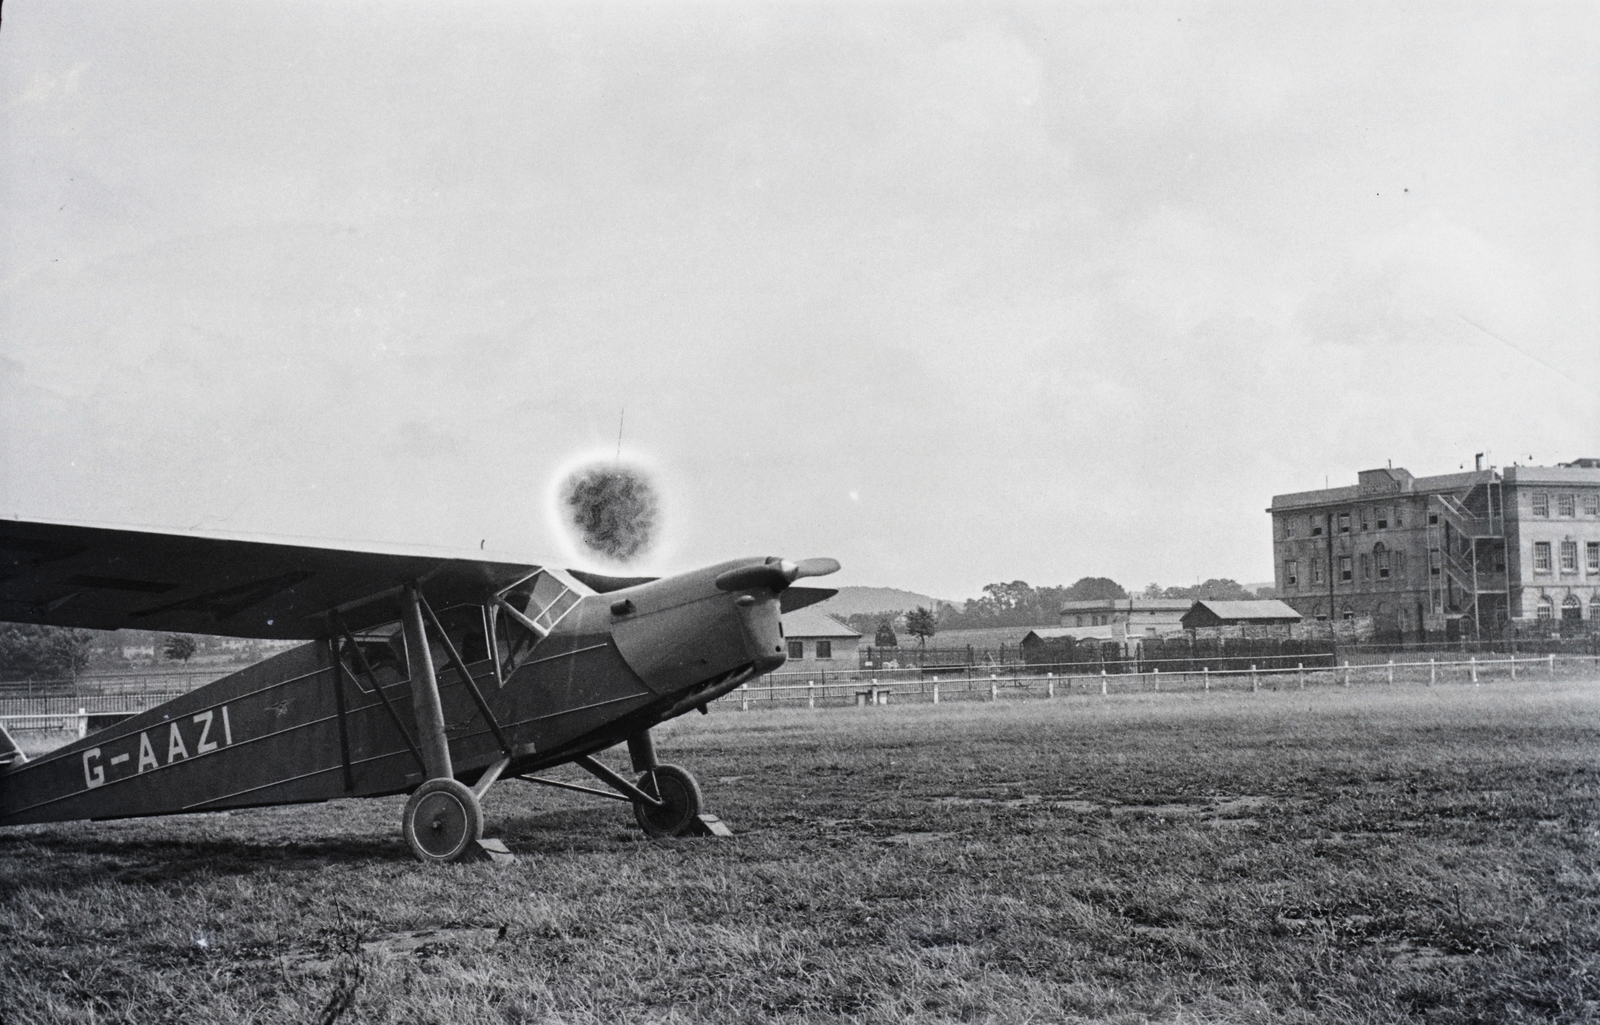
(678, 814)
(442, 821)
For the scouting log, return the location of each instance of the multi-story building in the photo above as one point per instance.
(1457, 553)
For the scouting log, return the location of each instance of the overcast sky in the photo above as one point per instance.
(954, 294)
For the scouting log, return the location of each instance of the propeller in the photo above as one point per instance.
(775, 574)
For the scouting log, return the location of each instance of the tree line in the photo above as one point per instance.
(1017, 603)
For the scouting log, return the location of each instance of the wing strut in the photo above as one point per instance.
(372, 679)
(466, 678)
(344, 727)
(426, 707)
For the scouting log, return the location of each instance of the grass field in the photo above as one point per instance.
(1376, 855)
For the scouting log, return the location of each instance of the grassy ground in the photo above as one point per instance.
(1405, 854)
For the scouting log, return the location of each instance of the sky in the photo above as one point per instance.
(953, 293)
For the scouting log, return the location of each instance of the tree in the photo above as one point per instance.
(1215, 589)
(921, 622)
(886, 637)
(179, 648)
(43, 652)
(1087, 588)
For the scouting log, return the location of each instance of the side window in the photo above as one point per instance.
(1541, 504)
(1291, 572)
(1383, 518)
(384, 649)
(1541, 556)
(1345, 570)
(1344, 523)
(824, 649)
(1567, 505)
(797, 649)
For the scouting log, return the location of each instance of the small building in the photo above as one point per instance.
(817, 641)
(1118, 619)
(1264, 612)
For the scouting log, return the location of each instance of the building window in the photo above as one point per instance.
(1383, 519)
(1291, 572)
(1567, 505)
(1399, 516)
(1591, 555)
(1541, 504)
(1345, 571)
(824, 649)
(1316, 571)
(797, 649)
(1366, 519)
(1380, 555)
(1399, 560)
(1571, 608)
(1316, 528)
(1594, 607)
(1349, 613)
(1288, 526)
(1366, 567)
(1541, 556)
(1433, 518)
(1591, 504)
(1547, 608)
(1569, 556)
(1344, 523)
(1433, 562)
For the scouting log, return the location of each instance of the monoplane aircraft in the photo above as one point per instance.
(429, 676)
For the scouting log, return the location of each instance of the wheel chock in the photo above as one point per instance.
(494, 851)
(706, 824)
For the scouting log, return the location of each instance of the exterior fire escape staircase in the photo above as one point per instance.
(1468, 532)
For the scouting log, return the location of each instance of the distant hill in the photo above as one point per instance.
(853, 600)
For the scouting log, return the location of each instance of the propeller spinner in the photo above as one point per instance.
(775, 574)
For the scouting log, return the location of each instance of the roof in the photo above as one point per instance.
(1265, 608)
(1357, 493)
(1127, 605)
(811, 623)
(1049, 633)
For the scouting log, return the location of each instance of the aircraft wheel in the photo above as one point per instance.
(442, 820)
(683, 801)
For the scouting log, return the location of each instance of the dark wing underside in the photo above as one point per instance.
(67, 575)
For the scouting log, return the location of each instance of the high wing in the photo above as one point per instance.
(64, 574)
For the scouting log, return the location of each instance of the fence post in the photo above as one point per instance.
(1102, 682)
(1205, 676)
(1473, 660)
(1255, 682)
(1513, 666)
(936, 690)
(994, 687)
(1432, 671)
(83, 723)
(1553, 663)
(1301, 668)
(1155, 679)
(1347, 672)
(1049, 685)
(1391, 672)
(744, 697)
(811, 694)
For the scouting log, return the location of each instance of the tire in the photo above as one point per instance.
(683, 805)
(442, 821)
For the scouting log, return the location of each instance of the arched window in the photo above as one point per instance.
(1594, 607)
(1571, 608)
(1547, 608)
